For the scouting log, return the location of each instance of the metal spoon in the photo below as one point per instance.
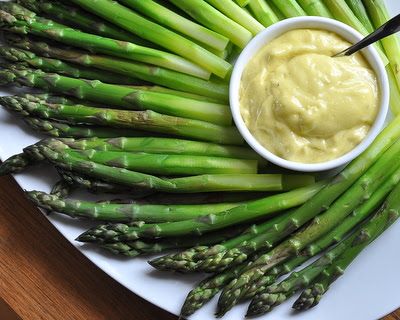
(390, 27)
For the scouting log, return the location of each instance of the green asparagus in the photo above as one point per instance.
(141, 120)
(139, 247)
(83, 20)
(57, 66)
(315, 8)
(361, 13)
(15, 164)
(15, 18)
(59, 129)
(255, 209)
(289, 8)
(169, 165)
(387, 215)
(237, 14)
(119, 96)
(209, 90)
(325, 222)
(125, 212)
(207, 15)
(144, 28)
(162, 145)
(263, 12)
(176, 22)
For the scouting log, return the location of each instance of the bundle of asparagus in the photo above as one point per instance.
(124, 82)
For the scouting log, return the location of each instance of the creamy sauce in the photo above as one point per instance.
(303, 105)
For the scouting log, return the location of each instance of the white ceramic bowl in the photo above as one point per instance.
(275, 31)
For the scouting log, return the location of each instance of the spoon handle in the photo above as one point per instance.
(390, 27)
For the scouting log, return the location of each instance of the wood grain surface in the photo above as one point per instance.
(42, 276)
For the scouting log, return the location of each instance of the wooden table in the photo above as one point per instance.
(43, 277)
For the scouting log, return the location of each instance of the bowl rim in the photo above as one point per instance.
(308, 22)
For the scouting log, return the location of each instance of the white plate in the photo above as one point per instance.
(367, 291)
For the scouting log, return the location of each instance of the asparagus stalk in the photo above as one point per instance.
(277, 12)
(166, 164)
(161, 76)
(141, 120)
(361, 13)
(325, 222)
(17, 19)
(379, 15)
(83, 20)
(242, 3)
(263, 12)
(316, 8)
(61, 189)
(15, 164)
(342, 12)
(119, 96)
(208, 288)
(275, 294)
(161, 145)
(144, 28)
(217, 258)
(125, 212)
(54, 151)
(184, 26)
(289, 8)
(394, 92)
(139, 247)
(237, 14)
(253, 210)
(99, 186)
(207, 15)
(58, 66)
(186, 262)
(385, 217)
(59, 129)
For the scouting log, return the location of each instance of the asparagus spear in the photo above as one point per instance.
(166, 164)
(277, 12)
(186, 262)
(99, 186)
(17, 19)
(263, 12)
(215, 20)
(150, 73)
(184, 26)
(289, 8)
(54, 65)
(217, 258)
(61, 189)
(142, 120)
(139, 247)
(361, 13)
(125, 212)
(119, 96)
(275, 294)
(161, 145)
(237, 14)
(342, 12)
(253, 210)
(208, 288)
(385, 217)
(320, 225)
(315, 8)
(83, 20)
(15, 164)
(379, 15)
(59, 129)
(242, 3)
(144, 28)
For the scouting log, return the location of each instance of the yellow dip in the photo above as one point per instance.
(303, 105)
